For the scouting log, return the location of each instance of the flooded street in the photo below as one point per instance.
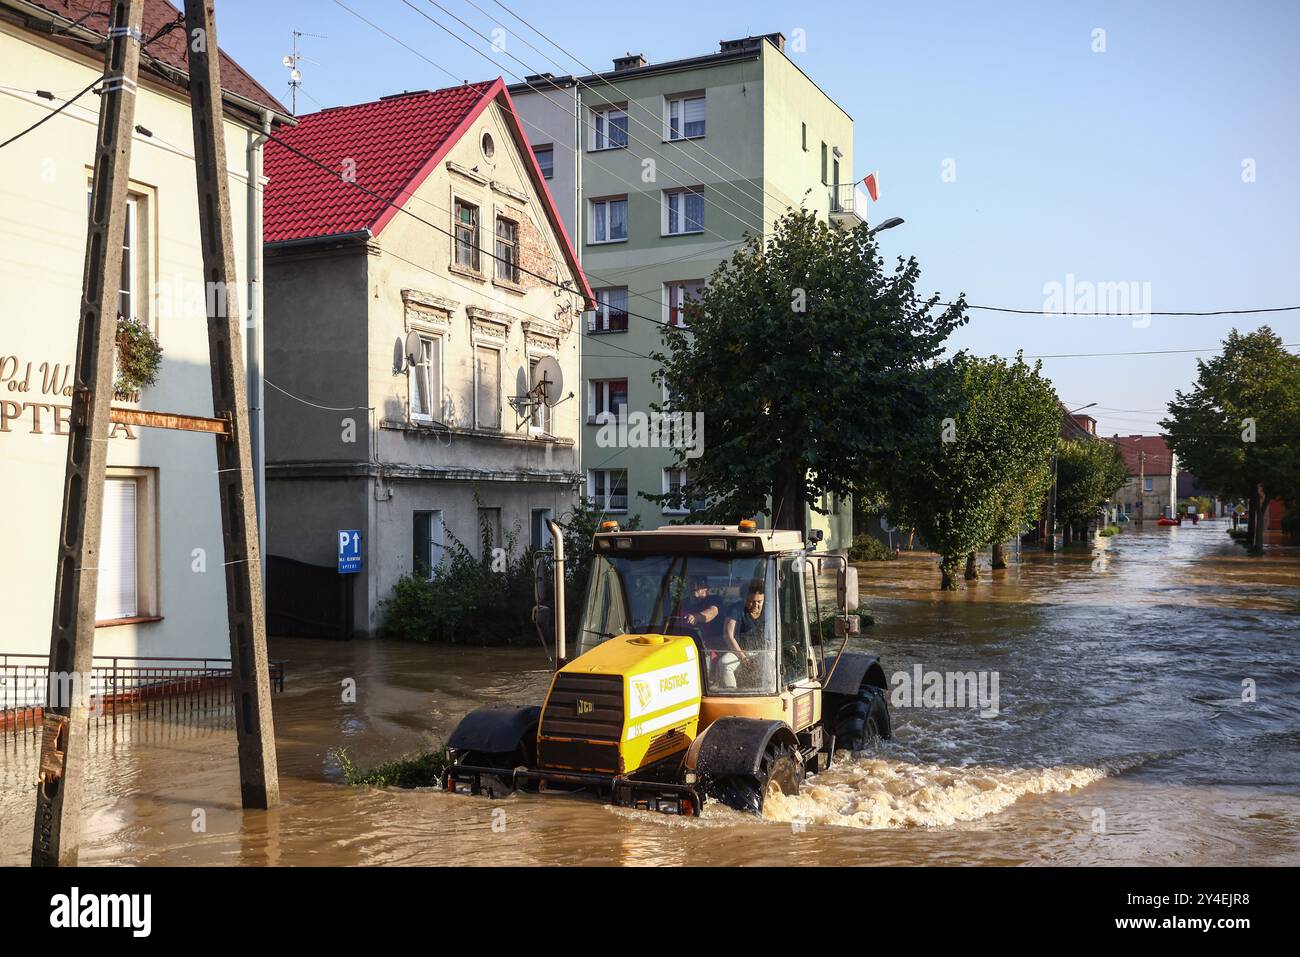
(1120, 736)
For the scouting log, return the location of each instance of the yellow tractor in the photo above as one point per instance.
(695, 676)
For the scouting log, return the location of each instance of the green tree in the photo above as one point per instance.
(1088, 472)
(1238, 429)
(809, 364)
(981, 473)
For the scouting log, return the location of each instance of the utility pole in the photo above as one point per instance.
(249, 672)
(1142, 486)
(56, 837)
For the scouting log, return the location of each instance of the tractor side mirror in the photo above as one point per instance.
(543, 580)
(846, 588)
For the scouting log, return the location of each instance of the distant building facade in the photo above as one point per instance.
(1151, 490)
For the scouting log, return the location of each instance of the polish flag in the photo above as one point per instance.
(872, 183)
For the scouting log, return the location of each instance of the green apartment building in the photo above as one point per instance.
(661, 170)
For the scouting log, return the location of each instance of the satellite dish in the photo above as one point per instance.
(548, 376)
(521, 383)
(287, 61)
(414, 348)
(295, 75)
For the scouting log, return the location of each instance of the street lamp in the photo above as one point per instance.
(890, 223)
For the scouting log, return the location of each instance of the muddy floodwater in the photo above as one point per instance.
(1120, 735)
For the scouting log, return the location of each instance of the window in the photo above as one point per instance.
(674, 482)
(425, 381)
(466, 235)
(607, 489)
(608, 220)
(610, 314)
(489, 531)
(545, 159)
(128, 289)
(794, 650)
(507, 249)
(608, 129)
(489, 148)
(835, 172)
(683, 212)
(116, 595)
(685, 117)
(677, 296)
(542, 418)
(825, 164)
(804, 133)
(1148, 485)
(134, 278)
(127, 574)
(539, 534)
(606, 400)
(487, 387)
(428, 535)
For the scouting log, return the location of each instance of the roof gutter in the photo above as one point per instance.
(360, 235)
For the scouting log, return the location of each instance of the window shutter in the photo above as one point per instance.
(116, 592)
(693, 116)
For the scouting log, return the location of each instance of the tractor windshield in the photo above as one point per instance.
(724, 604)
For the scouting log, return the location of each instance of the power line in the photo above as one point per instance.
(1128, 315)
(455, 36)
(53, 113)
(607, 82)
(1150, 352)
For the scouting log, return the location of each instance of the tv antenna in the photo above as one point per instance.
(545, 389)
(295, 75)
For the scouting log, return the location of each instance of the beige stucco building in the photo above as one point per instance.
(161, 589)
(398, 337)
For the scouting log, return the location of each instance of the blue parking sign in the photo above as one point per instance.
(349, 551)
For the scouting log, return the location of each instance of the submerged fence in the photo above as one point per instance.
(118, 689)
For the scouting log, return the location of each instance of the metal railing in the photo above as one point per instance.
(119, 688)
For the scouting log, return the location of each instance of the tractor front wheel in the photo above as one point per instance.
(863, 722)
(780, 770)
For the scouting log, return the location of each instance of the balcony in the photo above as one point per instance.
(848, 205)
(599, 323)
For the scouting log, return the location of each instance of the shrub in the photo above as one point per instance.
(1109, 530)
(422, 771)
(468, 600)
(868, 548)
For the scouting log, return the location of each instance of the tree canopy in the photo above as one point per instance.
(1238, 429)
(985, 464)
(809, 363)
(1088, 472)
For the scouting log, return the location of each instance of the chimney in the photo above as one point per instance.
(730, 46)
(633, 61)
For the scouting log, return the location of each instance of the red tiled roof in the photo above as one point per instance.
(386, 144)
(170, 49)
(390, 146)
(1159, 459)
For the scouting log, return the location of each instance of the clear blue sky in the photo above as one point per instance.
(1118, 166)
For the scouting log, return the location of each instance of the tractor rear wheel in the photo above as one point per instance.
(862, 723)
(780, 770)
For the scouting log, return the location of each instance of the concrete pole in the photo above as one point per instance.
(56, 837)
(250, 676)
(1142, 486)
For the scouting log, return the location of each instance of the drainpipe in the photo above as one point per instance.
(253, 342)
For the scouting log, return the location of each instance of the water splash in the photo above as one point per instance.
(878, 793)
